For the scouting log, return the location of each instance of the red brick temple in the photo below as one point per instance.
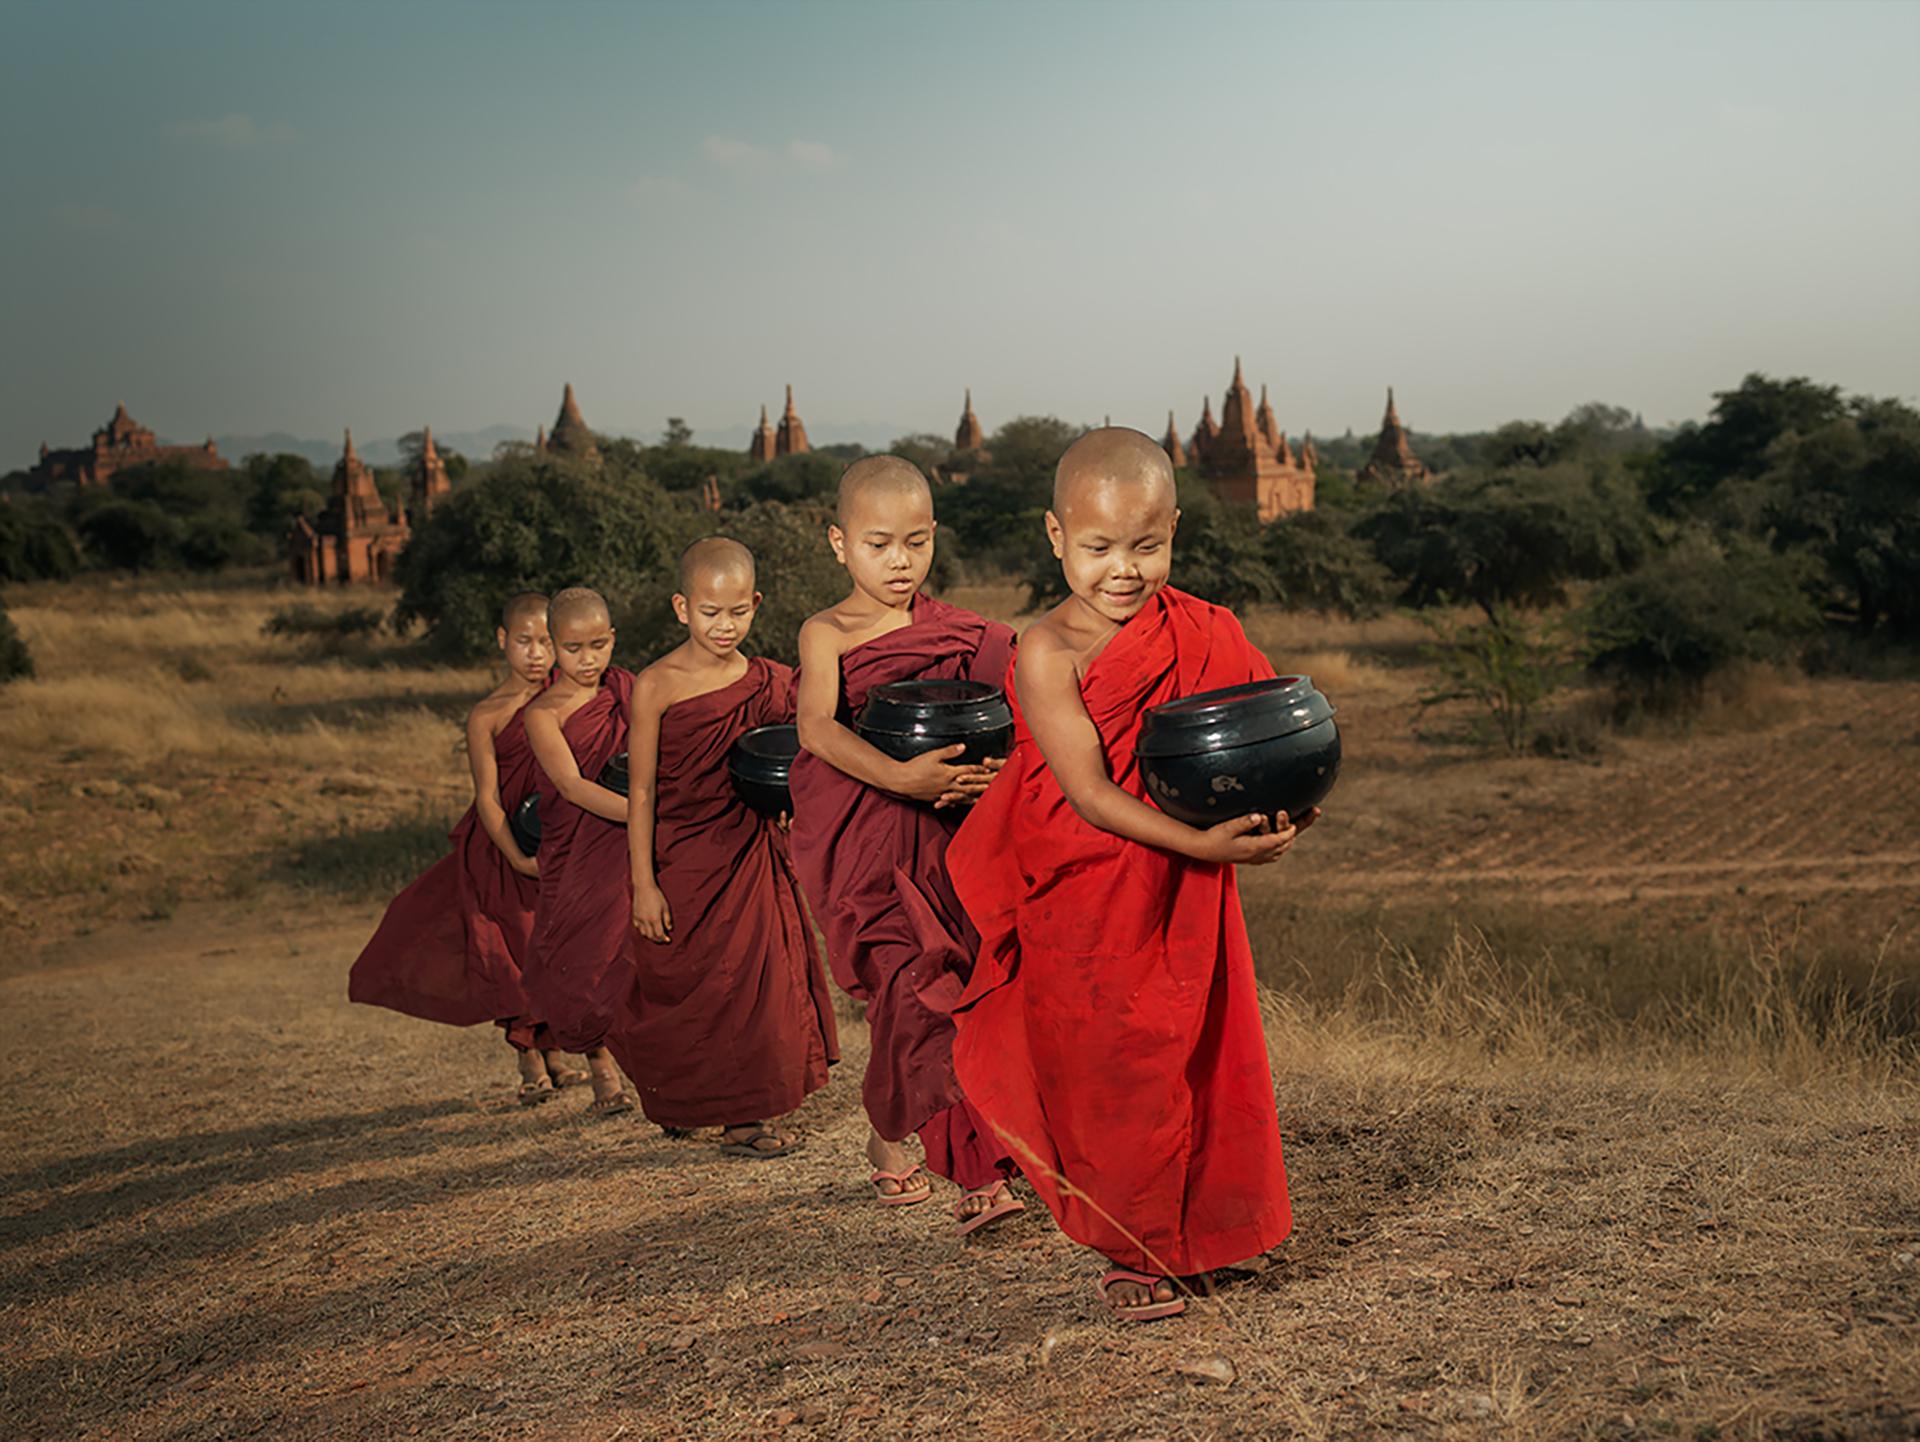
(1170, 443)
(761, 448)
(1393, 462)
(120, 445)
(969, 435)
(791, 438)
(1247, 457)
(570, 436)
(357, 538)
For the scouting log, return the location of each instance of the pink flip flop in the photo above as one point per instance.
(1153, 1311)
(1005, 1206)
(903, 1197)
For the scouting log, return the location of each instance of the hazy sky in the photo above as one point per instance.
(261, 216)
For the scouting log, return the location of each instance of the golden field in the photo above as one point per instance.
(1597, 1076)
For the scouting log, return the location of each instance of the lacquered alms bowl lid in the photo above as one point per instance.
(1232, 716)
(765, 747)
(949, 708)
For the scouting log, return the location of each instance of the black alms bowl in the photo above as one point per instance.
(525, 824)
(1261, 748)
(905, 718)
(759, 765)
(525, 821)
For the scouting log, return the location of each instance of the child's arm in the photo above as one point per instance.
(652, 917)
(550, 749)
(1049, 692)
(930, 776)
(485, 766)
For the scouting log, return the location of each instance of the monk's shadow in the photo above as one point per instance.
(249, 1156)
(194, 1148)
(237, 1230)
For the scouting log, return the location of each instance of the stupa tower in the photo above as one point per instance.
(570, 434)
(761, 448)
(969, 434)
(791, 438)
(1170, 443)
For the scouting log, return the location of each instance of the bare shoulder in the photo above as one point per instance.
(824, 635)
(1047, 635)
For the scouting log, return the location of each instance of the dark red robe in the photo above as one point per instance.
(1111, 1032)
(451, 946)
(732, 1021)
(874, 868)
(581, 969)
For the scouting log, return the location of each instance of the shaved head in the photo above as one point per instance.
(576, 603)
(1114, 456)
(880, 478)
(715, 556)
(527, 603)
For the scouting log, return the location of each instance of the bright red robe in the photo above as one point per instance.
(451, 946)
(732, 1021)
(1112, 1031)
(581, 969)
(874, 868)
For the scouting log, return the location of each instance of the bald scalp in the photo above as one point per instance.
(519, 607)
(576, 603)
(715, 556)
(874, 478)
(1114, 456)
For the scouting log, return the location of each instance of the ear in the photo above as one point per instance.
(500, 637)
(1056, 537)
(1176, 521)
(680, 609)
(837, 538)
(757, 598)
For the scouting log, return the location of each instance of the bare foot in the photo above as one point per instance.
(896, 1176)
(983, 1206)
(609, 1087)
(536, 1085)
(1139, 1297)
(564, 1075)
(756, 1139)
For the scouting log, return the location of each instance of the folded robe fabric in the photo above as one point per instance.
(732, 1021)
(1111, 1032)
(874, 868)
(450, 947)
(581, 969)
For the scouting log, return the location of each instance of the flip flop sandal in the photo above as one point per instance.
(1152, 1311)
(569, 1076)
(1002, 1203)
(532, 1093)
(676, 1134)
(746, 1146)
(613, 1105)
(903, 1197)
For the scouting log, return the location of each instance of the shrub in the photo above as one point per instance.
(1317, 565)
(1507, 666)
(129, 535)
(1659, 633)
(34, 546)
(330, 633)
(16, 662)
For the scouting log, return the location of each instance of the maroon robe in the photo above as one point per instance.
(874, 867)
(1112, 1026)
(582, 964)
(732, 1021)
(451, 946)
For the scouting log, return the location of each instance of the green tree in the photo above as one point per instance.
(1316, 564)
(677, 434)
(1506, 666)
(1734, 442)
(1661, 632)
(129, 535)
(535, 523)
(280, 488)
(1849, 490)
(34, 546)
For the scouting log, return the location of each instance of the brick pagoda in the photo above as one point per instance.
(571, 435)
(969, 435)
(1247, 457)
(791, 438)
(1393, 463)
(357, 538)
(120, 445)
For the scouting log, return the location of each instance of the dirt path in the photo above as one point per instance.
(234, 1206)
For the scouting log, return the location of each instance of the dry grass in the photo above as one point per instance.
(1598, 1084)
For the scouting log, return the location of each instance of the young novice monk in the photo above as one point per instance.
(733, 1024)
(870, 834)
(582, 965)
(1111, 1031)
(451, 946)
